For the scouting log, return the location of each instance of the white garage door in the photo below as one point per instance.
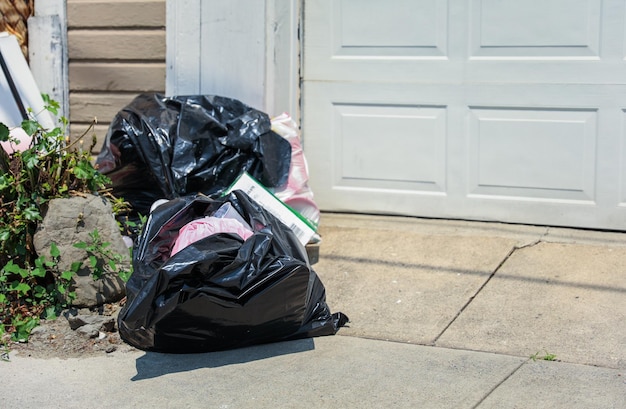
(476, 109)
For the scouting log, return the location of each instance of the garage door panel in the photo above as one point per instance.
(390, 146)
(360, 40)
(536, 28)
(533, 153)
(519, 117)
(422, 23)
(485, 41)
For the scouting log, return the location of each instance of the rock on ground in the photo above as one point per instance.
(76, 333)
(68, 221)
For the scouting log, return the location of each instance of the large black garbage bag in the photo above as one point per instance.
(164, 147)
(221, 292)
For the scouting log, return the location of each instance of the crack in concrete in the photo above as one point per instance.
(496, 386)
(498, 267)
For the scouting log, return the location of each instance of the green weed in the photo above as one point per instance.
(53, 166)
(545, 357)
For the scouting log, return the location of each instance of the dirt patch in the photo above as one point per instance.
(76, 333)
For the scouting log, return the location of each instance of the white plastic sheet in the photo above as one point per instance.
(25, 85)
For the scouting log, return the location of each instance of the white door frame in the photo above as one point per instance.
(248, 50)
(48, 51)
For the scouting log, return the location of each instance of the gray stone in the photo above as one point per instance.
(71, 220)
(40, 330)
(101, 322)
(89, 331)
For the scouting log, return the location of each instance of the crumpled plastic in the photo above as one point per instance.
(161, 147)
(205, 227)
(296, 192)
(221, 292)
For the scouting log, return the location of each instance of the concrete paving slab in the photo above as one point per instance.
(329, 372)
(403, 285)
(547, 385)
(565, 299)
(402, 279)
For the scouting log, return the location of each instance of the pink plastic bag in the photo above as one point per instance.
(208, 226)
(23, 139)
(296, 193)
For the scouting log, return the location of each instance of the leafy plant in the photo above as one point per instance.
(53, 166)
(102, 259)
(33, 292)
(131, 226)
(545, 357)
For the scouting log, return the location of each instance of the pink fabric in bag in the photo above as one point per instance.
(205, 227)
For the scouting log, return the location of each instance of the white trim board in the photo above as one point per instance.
(239, 49)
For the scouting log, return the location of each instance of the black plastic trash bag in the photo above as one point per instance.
(163, 147)
(221, 292)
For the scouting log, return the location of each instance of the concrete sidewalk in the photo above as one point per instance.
(444, 314)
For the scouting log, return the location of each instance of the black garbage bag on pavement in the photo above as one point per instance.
(221, 292)
(163, 147)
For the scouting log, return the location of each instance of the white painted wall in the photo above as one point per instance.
(243, 49)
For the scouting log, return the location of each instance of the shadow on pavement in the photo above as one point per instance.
(154, 364)
(524, 278)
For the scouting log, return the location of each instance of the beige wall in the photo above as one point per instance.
(116, 51)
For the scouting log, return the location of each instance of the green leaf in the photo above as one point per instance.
(54, 250)
(5, 234)
(56, 132)
(45, 186)
(95, 235)
(30, 126)
(50, 104)
(82, 172)
(39, 291)
(32, 213)
(4, 132)
(125, 275)
(3, 298)
(38, 272)
(76, 266)
(5, 181)
(67, 275)
(112, 265)
(50, 313)
(21, 288)
(11, 267)
(93, 261)
(53, 109)
(23, 328)
(80, 245)
(30, 159)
